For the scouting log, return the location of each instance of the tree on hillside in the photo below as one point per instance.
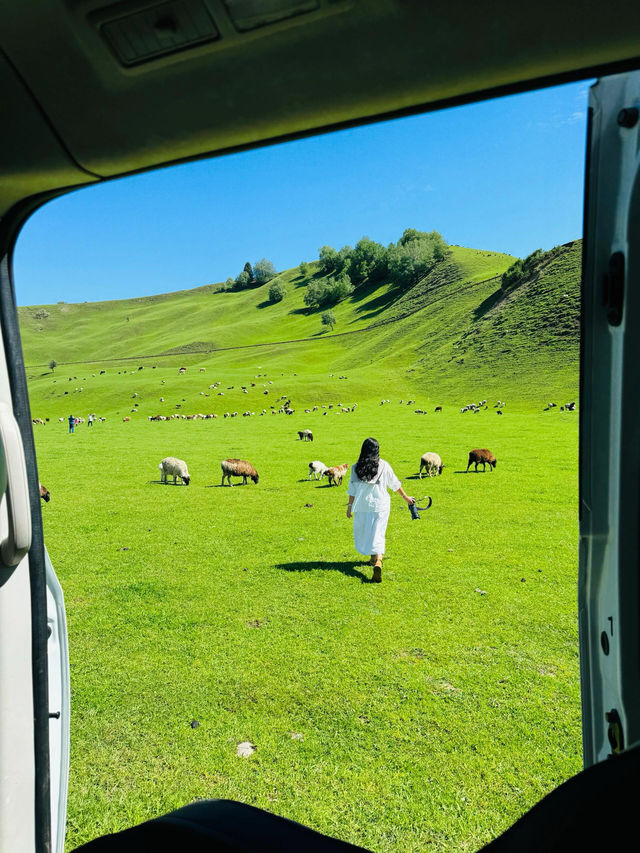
(247, 268)
(229, 284)
(368, 261)
(327, 256)
(519, 271)
(264, 271)
(242, 280)
(320, 293)
(277, 291)
(304, 269)
(53, 364)
(414, 255)
(315, 294)
(341, 288)
(343, 260)
(329, 319)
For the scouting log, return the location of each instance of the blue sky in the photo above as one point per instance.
(505, 175)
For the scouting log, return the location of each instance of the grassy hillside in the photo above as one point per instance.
(452, 338)
(193, 320)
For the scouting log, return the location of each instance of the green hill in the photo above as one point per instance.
(452, 336)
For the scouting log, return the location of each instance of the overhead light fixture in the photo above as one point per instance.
(252, 14)
(158, 30)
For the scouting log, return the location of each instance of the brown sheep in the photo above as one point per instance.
(336, 473)
(238, 468)
(482, 456)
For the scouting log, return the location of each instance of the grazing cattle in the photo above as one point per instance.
(336, 473)
(432, 463)
(438, 409)
(482, 456)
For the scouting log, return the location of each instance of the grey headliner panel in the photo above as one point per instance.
(32, 160)
(373, 57)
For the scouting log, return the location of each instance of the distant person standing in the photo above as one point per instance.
(72, 423)
(370, 504)
(89, 420)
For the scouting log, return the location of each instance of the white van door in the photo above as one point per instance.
(34, 669)
(609, 578)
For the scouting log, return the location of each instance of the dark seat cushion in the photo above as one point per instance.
(218, 826)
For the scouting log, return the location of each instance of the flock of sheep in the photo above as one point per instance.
(177, 468)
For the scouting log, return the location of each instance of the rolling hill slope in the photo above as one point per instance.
(452, 336)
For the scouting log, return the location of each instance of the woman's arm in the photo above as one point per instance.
(404, 495)
(349, 505)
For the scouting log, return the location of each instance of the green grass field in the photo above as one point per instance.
(430, 710)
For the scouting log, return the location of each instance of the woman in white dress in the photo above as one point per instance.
(369, 502)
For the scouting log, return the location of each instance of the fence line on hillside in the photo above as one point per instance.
(377, 325)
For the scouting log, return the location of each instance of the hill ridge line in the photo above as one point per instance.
(314, 339)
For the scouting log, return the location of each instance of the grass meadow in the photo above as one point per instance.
(430, 710)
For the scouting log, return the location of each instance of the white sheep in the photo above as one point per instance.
(432, 463)
(172, 467)
(317, 468)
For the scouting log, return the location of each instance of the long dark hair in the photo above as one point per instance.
(367, 464)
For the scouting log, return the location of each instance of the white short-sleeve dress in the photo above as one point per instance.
(371, 507)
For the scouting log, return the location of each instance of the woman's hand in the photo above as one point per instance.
(409, 500)
(348, 510)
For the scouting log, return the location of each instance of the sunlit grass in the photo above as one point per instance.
(433, 708)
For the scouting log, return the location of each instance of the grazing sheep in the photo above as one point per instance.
(124, 420)
(336, 473)
(238, 468)
(317, 468)
(44, 493)
(438, 408)
(305, 435)
(482, 456)
(432, 463)
(172, 467)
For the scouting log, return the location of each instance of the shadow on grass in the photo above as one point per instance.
(488, 304)
(160, 483)
(345, 567)
(226, 485)
(471, 472)
(372, 307)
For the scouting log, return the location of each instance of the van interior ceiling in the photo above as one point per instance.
(97, 90)
(92, 91)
